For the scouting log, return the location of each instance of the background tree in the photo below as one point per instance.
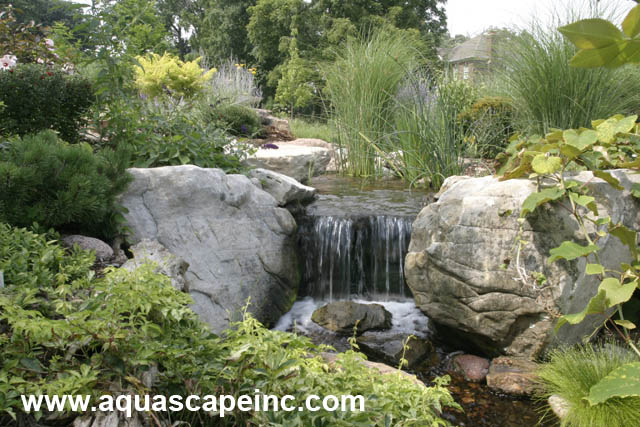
(220, 29)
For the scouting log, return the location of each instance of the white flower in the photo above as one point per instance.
(40, 61)
(7, 62)
(48, 42)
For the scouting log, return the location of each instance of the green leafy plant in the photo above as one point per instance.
(54, 184)
(574, 373)
(611, 143)
(64, 331)
(38, 97)
(167, 132)
(602, 44)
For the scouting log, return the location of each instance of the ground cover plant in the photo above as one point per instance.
(64, 331)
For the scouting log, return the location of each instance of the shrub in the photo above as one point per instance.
(48, 181)
(571, 372)
(37, 98)
(167, 132)
(489, 124)
(236, 119)
(26, 41)
(70, 333)
(361, 86)
(158, 75)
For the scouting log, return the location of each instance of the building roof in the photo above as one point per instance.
(475, 49)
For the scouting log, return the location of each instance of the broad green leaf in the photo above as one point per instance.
(635, 190)
(616, 293)
(628, 237)
(570, 251)
(569, 151)
(608, 178)
(611, 56)
(625, 324)
(580, 141)
(607, 131)
(592, 33)
(631, 24)
(625, 125)
(536, 199)
(544, 165)
(586, 201)
(621, 382)
(596, 306)
(594, 269)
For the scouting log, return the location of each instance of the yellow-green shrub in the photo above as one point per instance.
(157, 75)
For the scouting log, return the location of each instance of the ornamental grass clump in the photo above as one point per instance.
(571, 373)
(428, 135)
(361, 86)
(547, 92)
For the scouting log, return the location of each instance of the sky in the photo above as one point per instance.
(471, 17)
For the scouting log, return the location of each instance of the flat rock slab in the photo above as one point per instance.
(297, 161)
(342, 316)
(239, 244)
(391, 349)
(514, 376)
(283, 188)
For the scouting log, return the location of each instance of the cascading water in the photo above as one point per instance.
(354, 256)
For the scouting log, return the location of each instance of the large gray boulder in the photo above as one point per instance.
(459, 246)
(238, 243)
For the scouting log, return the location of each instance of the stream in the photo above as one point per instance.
(354, 238)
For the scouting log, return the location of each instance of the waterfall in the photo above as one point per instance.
(361, 256)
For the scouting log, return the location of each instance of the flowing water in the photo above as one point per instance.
(353, 239)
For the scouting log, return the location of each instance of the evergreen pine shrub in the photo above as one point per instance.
(37, 97)
(54, 184)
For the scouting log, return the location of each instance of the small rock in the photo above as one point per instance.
(512, 375)
(559, 405)
(342, 316)
(473, 368)
(102, 250)
(166, 263)
(282, 187)
(297, 161)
